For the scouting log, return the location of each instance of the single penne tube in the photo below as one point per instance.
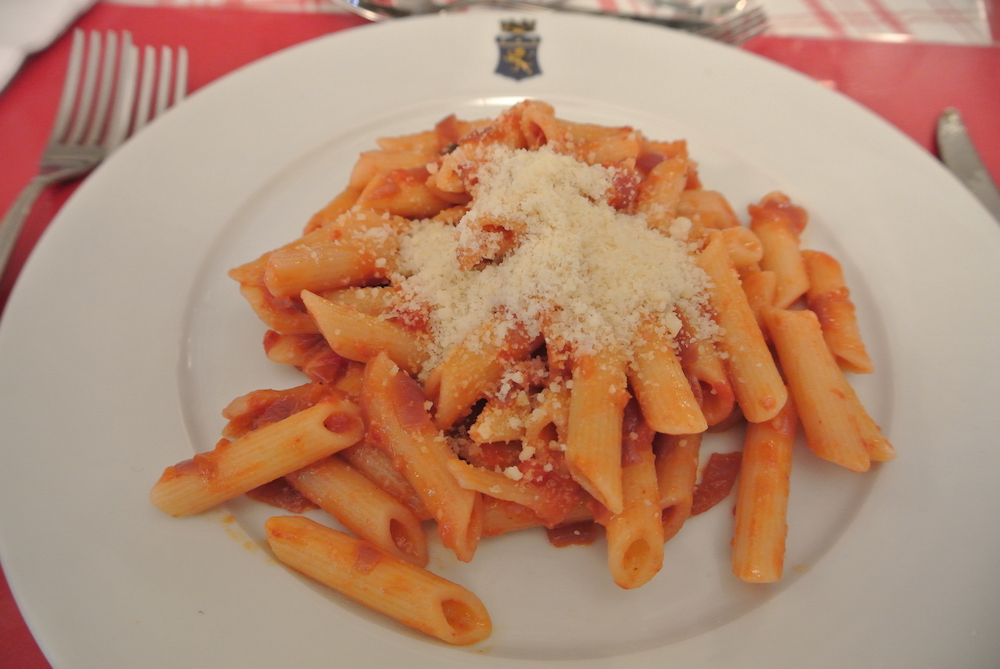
(778, 224)
(469, 368)
(397, 588)
(818, 386)
(761, 288)
(759, 389)
(259, 408)
(635, 536)
(352, 252)
(333, 210)
(707, 209)
(372, 300)
(762, 498)
(262, 455)
(362, 507)
(829, 298)
(660, 385)
(357, 336)
(593, 441)
(398, 422)
(709, 379)
(676, 476)
(744, 246)
(660, 193)
(878, 447)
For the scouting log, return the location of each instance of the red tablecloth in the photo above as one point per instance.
(907, 84)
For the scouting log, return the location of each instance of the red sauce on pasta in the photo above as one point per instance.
(577, 534)
(281, 494)
(368, 558)
(717, 481)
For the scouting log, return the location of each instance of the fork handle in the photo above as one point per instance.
(13, 220)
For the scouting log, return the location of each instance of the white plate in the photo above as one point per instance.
(124, 339)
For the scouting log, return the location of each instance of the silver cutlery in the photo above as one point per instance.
(730, 22)
(109, 94)
(960, 156)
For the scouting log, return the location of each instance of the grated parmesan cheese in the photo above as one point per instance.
(592, 272)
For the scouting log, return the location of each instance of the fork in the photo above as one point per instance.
(732, 22)
(738, 27)
(107, 96)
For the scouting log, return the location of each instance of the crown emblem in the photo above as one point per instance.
(514, 26)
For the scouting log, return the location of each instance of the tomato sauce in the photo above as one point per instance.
(717, 481)
(577, 534)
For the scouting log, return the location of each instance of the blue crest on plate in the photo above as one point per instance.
(518, 49)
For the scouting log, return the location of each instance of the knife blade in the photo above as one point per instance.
(960, 156)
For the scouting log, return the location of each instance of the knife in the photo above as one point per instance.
(960, 156)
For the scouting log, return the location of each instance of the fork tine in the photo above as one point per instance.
(180, 83)
(145, 89)
(124, 94)
(100, 118)
(163, 79)
(83, 107)
(68, 99)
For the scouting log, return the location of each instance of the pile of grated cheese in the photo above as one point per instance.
(592, 271)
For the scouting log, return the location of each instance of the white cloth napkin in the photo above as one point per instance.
(27, 26)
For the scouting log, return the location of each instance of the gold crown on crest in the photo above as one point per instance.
(522, 26)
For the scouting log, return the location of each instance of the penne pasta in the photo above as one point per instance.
(377, 466)
(363, 572)
(279, 314)
(761, 288)
(524, 322)
(360, 337)
(399, 423)
(267, 453)
(778, 224)
(762, 498)
(593, 441)
(707, 209)
(709, 379)
(362, 507)
(404, 192)
(824, 400)
(360, 248)
(661, 387)
(308, 352)
(333, 210)
(744, 247)
(829, 298)
(459, 381)
(660, 193)
(635, 535)
(676, 475)
(757, 383)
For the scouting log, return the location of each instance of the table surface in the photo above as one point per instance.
(908, 84)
